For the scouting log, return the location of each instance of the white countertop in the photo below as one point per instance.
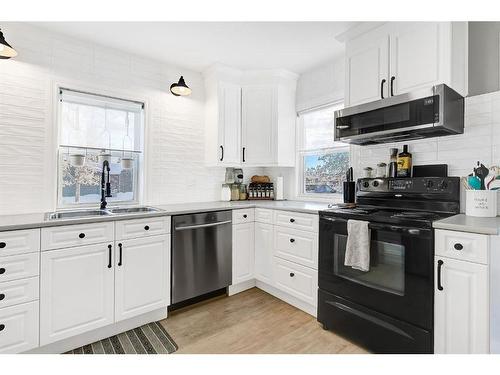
(37, 220)
(463, 223)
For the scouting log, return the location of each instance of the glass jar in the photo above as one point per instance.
(243, 192)
(225, 194)
(368, 172)
(235, 192)
(381, 170)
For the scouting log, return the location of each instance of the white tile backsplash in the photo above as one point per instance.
(175, 166)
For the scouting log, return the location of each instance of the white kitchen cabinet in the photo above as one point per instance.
(243, 252)
(461, 307)
(400, 57)
(76, 291)
(367, 70)
(142, 276)
(264, 252)
(259, 124)
(19, 328)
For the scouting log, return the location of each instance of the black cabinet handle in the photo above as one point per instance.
(2, 271)
(2, 327)
(146, 227)
(120, 255)
(244, 216)
(458, 246)
(2, 297)
(244, 148)
(110, 255)
(222, 153)
(440, 264)
(292, 240)
(292, 220)
(392, 85)
(2, 245)
(382, 88)
(81, 235)
(292, 274)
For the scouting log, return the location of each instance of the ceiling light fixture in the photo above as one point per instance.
(180, 88)
(6, 51)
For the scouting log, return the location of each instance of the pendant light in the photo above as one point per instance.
(6, 51)
(180, 88)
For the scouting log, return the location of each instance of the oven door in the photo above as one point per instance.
(400, 280)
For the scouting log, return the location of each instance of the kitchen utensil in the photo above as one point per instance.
(465, 184)
(474, 182)
(495, 184)
(349, 190)
(351, 174)
(489, 179)
(481, 172)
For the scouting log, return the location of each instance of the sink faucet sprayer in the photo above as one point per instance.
(105, 186)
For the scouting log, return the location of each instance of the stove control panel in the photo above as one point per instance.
(429, 185)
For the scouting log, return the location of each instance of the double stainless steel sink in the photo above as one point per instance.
(77, 214)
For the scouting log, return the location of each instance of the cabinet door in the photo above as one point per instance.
(76, 291)
(264, 252)
(367, 70)
(142, 276)
(461, 308)
(229, 130)
(417, 51)
(243, 252)
(259, 125)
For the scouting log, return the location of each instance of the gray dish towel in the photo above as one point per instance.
(357, 253)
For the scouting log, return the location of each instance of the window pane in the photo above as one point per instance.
(318, 128)
(82, 184)
(324, 173)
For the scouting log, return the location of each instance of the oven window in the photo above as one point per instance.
(387, 266)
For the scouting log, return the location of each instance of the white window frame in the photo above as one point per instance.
(139, 176)
(301, 152)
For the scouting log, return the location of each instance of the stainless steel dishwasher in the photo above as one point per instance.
(201, 254)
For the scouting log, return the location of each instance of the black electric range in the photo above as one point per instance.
(388, 309)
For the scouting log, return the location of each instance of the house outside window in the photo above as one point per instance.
(93, 128)
(322, 162)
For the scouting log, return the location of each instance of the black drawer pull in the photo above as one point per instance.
(244, 216)
(146, 227)
(2, 271)
(292, 274)
(81, 235)
(2, 297)
(292, 220)
(2, 327)
(440, 265)
(292, 240)
(458, 246)
(110, 255)
(2, 245)
(382, 89)
(120, 255)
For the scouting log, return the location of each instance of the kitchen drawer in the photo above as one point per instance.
(246, 215)
(77, 235)
(18, 291)
(298, 281)
(19, 242)
(297, 220)
(18, 267)
(264, 215)
(297, 246)
(142, 227)
(471, 247)
(19, 328)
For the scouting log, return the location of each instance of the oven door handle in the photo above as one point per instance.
(390, 227)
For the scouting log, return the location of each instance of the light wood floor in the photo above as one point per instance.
(251, 322)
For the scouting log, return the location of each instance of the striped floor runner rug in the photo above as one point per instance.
(149, 339)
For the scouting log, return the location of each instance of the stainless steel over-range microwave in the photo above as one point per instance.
(432, 112)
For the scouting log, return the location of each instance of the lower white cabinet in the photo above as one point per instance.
(243, 252)
(461, 317)
(298, 281)
(19, 328)
(142, 276)
(264, 252)
(76, 291)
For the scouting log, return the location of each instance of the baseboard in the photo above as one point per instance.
(101, 333)
(304, 306)
(237, 288)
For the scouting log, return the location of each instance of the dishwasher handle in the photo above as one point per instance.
(186, 227)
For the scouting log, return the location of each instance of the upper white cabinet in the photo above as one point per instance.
(250, 117)
(399, 57)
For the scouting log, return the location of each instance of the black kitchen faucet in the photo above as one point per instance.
(105, 186)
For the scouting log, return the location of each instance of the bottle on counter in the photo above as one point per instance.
(404, 163)
(393, 163)
(225, 193)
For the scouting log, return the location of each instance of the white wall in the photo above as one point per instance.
(175, 170)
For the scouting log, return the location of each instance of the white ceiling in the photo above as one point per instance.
(296, 46)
